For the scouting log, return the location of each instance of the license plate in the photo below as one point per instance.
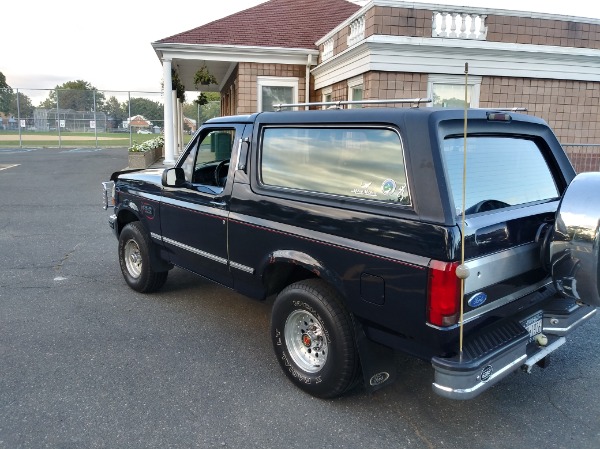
(533, 325)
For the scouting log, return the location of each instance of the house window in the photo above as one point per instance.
(355, 91)
(326, 95)
(448, 91)
(276, 90)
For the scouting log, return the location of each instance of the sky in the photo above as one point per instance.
(108, 43)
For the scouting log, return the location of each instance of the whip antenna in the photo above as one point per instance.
(462, 271)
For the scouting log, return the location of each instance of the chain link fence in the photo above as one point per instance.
(94, 118)
(88, 118)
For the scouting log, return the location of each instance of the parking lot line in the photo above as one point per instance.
(7, 166)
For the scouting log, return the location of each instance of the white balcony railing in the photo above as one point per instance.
(357, 30)
(327, 49)
(456, 25)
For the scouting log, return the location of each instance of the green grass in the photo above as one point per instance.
(32, 139)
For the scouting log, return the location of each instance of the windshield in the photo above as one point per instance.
(501, 172)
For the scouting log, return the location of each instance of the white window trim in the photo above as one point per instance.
(473, 81)
(277, 81)
(356, 81)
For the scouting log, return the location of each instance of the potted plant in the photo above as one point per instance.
(142, 155)
(203, 77)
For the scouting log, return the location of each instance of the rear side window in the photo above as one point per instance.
(501, 172)
(361, 163)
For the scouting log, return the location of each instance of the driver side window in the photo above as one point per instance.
(207, 163)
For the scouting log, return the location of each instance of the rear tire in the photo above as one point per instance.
(134, 257)
(574, 250)
(313, 338)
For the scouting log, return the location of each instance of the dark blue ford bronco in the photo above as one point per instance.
(354, 220)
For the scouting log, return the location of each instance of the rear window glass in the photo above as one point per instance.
(501, 172)
(362, 163)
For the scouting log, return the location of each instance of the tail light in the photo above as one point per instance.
(443, 299)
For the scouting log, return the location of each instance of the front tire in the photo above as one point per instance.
(135, 261)
(313, 338)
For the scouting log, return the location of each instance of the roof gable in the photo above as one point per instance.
(276, 23)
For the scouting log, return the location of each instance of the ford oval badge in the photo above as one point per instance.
(477, 299)
(379, 378)
(486, 373)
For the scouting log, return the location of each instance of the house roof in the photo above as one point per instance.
(138, 120)
(276, 23)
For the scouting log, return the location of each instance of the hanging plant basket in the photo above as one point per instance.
(203, 77)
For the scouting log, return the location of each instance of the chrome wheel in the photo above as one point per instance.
(313, 338)
(139, 259)
(306, 340)
(133, 258)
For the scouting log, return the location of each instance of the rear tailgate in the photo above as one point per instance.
(514, 183)
(511, 199)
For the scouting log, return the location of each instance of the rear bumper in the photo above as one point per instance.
(497, 350)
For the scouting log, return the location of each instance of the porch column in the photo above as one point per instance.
(177, 144)
(168, 114)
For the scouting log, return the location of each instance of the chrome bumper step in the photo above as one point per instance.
(500, 349)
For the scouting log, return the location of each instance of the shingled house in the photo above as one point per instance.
(330, 50)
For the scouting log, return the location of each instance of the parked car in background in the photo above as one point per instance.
(143, 131)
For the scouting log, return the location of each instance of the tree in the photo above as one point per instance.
(5, 94)
(25, 107)
(151, 110)
(8, 100)
(208, 110)
(77, 95)
(116, 111)
(190, 110)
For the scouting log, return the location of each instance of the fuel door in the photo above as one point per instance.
(573, 249)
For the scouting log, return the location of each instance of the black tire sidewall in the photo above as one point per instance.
(133, 232)
(336, 375)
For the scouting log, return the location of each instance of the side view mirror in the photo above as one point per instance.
(173, 177)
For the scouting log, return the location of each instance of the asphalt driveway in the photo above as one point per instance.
(85, 362)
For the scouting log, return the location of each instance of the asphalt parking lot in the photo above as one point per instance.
(85, 362)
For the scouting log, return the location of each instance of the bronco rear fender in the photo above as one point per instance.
(299, 259)
(376, 360)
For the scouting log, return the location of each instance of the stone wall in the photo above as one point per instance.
(524, 30)
(572, 108)
(392, 85)
(383, 20)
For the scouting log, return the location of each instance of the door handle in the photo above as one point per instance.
(219, 204)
